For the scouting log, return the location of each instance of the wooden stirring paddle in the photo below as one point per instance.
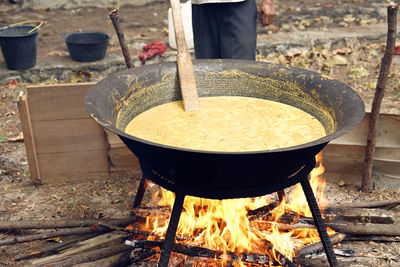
(185, 67)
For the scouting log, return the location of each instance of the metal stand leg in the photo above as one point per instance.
(281, 195)
(319, 223)
(140, 193)
(171, 231)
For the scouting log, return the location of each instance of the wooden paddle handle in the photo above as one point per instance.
(185, 67)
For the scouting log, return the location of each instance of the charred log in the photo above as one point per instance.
(194, 251)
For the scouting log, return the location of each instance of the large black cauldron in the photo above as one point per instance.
(114, 101)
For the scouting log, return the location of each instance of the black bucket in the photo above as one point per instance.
(87, 46)
(19, 46)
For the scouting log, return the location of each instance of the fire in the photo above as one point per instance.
(225, 225)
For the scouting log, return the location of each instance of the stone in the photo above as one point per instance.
(282, 49)
(340, 60)
(66, 74)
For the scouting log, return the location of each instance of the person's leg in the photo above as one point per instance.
(205, 30)
(238, 32)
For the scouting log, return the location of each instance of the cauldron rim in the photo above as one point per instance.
(321, 141)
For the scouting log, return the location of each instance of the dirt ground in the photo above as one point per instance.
(112, 198)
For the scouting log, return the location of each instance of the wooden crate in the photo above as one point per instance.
(63, 143)
(344, 157)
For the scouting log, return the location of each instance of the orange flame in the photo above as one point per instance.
(224, 225)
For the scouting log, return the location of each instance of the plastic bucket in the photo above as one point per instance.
(87, 46)
(19, 46)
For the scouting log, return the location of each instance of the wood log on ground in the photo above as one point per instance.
(367, 229)
(91, 256)
(59, 233)
(105, 240)
(65, 223)
(53, 248)
(360, 212)
(121, 259)
(375, 238)
(362, 215)
(365, 204)
(342, 227)
(318, 247)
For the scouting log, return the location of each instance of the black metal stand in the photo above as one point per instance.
(319, 223)
(171, 231)
(140, 193)
(281, 195)
(178, 205)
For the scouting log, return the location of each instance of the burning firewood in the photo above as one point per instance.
(194, 251)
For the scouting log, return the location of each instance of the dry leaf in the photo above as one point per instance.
(18, 138)
(342, 51)
(58, 53)
(81, 76)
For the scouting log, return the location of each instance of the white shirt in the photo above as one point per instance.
(199, 2)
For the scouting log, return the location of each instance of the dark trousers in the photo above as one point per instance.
(225, 30)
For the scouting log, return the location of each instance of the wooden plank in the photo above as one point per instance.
(388, 134)
(342, 164)
(29, 139)
(73, 166)
(68, 136)
(344, 157)
(389, 168)
(185, 67)
(122, 161)
(358, 152)
(69, 144)
(113, 140)
(338, 163)
(58, 101)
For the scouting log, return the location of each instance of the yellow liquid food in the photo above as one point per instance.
(227, 123)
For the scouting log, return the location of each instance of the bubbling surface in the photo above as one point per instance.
(227, 124)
